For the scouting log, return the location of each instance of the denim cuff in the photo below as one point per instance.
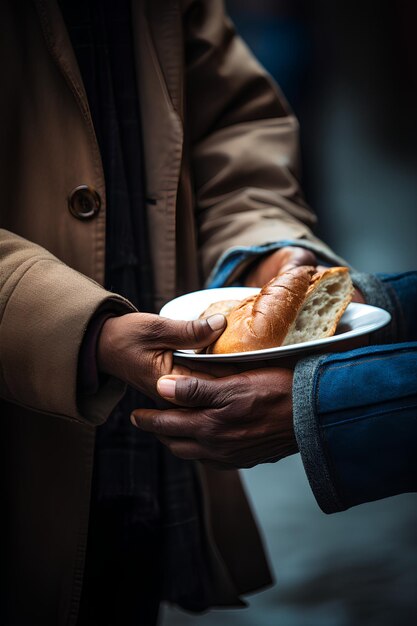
(235, 260)
(378, 294)
(308, 435)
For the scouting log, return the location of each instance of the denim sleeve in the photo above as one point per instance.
(355, 419)
(397, 293)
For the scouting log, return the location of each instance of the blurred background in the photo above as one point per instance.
(349, 71)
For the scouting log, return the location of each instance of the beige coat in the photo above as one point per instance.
(221, 170)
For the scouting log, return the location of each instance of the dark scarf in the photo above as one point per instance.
(133, 473)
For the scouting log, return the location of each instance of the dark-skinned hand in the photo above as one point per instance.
(282, 260)
(235, 420)
(137, 347)
(277, 262)
(231, 422)
(229, 416)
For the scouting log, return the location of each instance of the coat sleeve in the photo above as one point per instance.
(45, 309)
(355, 413)
(244, 142)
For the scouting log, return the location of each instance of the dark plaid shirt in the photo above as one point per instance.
(133, 472)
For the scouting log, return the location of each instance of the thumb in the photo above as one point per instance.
(191, 391)
(193, 333)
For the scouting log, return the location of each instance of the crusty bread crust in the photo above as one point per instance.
(222, 306)
(299, 305)
(262, 321)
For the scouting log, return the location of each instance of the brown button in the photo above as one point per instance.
(84, 202)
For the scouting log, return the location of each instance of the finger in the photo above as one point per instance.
(278, 262)
(216, 465)
(304, 256)
(167, 423)
(214, 369)
(181, 370)
(292, 265)
(178, 334)
(192, 451)
(297, 257)
(187, 449)
(193, 391)
(358, 296)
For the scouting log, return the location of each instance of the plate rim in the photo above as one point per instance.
(281, 351)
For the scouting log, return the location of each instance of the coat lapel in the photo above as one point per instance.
(59, 46)
(159, 62)
(158, 47)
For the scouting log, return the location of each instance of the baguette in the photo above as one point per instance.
(296, 306)
(223, 306)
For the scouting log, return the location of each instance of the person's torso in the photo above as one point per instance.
(50, 165)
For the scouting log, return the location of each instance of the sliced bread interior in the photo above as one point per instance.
(327, 298)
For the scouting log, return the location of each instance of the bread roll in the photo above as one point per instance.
(299, 305)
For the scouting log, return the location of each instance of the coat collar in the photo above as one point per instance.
(163, 22)
(59, 46)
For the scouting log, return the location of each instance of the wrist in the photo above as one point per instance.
(107, 352)
(88, 371)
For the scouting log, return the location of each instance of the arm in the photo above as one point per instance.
(244, 146)
(355, 414)
(45, 308)
(352, 415)
(355, 419)
(45, 311)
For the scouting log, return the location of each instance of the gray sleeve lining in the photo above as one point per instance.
(309, 439)
(377, 294)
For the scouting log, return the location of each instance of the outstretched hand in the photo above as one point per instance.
(278, 262)
(282, 260)
(231, 422)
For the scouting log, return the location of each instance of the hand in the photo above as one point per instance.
(278, 262)
(283, 260)
(358, 296)
(232, 422)
(137, 347)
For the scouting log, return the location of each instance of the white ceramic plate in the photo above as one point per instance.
(358, 319)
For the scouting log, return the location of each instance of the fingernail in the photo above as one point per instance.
(133, 419)
(216, 322)
(166, 388)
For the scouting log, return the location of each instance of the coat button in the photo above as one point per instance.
(84, 202)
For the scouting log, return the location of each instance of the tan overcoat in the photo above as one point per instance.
(221, 171)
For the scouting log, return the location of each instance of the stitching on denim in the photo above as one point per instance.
(403, 351)
(373, 415)
(397, 277)
(327, 367)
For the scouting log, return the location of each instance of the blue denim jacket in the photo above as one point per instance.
(355, 413)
